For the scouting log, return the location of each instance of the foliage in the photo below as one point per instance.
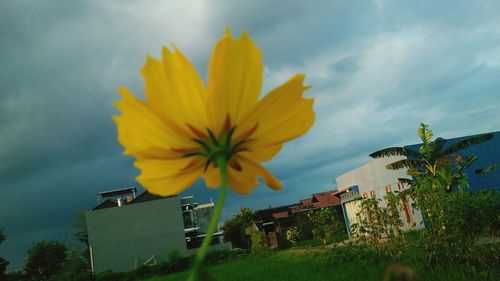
(80, 225)
(455, 220)
(349, 262)
(45, 260)
(234, 228)
(371, 227)
(490, 169)
(259, 242)
(326, 224)
(293, 235)
(433, 158)
(3, 262)
(377, 223)
(76, 268)
(174, 263)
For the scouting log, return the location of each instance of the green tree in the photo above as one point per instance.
(235, 228)
(45, 260)
(3, 262)
(433, 158)
(80, 225)
(75, 268)
(326, 224)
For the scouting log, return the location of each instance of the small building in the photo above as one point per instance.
(126, 231)
(275, 221)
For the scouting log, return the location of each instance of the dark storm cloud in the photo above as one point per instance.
(379, 68)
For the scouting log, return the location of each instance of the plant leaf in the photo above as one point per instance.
(396, 151)
(468, 142)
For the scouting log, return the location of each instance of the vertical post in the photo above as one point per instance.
(91, 260)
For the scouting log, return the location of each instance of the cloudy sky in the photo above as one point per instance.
(378, 68)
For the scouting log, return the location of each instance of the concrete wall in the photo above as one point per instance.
(372, 175)
(120, 235)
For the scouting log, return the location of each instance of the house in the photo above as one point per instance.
(373, 180)
(126, 231)
(275, 221)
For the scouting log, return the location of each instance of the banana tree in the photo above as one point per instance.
(433, 158)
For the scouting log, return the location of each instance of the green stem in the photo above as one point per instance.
(202, 252)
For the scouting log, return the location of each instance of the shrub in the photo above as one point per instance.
(259, 242)
(293, 235)
(327, 224)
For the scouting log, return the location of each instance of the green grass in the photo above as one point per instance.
(317, 265)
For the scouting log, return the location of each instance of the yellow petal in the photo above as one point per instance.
(240, 182)
(142, 132)
(167, 177)
(234, 79)
(253, 168)
(212, 177)
(260, 154)
(175, 91)
(282, 115)
(245, 180)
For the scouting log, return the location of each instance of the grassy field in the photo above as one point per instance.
(317, 265)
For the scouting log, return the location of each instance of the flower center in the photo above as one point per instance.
(212, 147)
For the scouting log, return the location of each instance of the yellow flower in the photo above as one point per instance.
(176, 132)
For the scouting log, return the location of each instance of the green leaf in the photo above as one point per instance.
(396, 151)
(468, 142)
(404, 163)
(424, 134)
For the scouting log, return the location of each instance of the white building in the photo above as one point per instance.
(374, 180)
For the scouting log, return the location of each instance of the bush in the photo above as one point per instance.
(326, 224)
(362, 253)
(293, 235)
(234, 228)
(110, 275)
(76, 268)
(259, 242)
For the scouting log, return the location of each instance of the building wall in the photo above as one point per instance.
(373, 179)
(120, 235)
(372, 175)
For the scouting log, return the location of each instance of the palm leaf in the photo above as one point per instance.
(404, 163)
(468, 142)
(492, 168)
(395, 151)
(405, 180)
(448, 159)
(424, 134)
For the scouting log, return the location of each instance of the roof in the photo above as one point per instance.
(318, 200)
(267, 214)
(108, 203)
(325, 199)
(117, 191)
(280, 215)
(146, 196)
